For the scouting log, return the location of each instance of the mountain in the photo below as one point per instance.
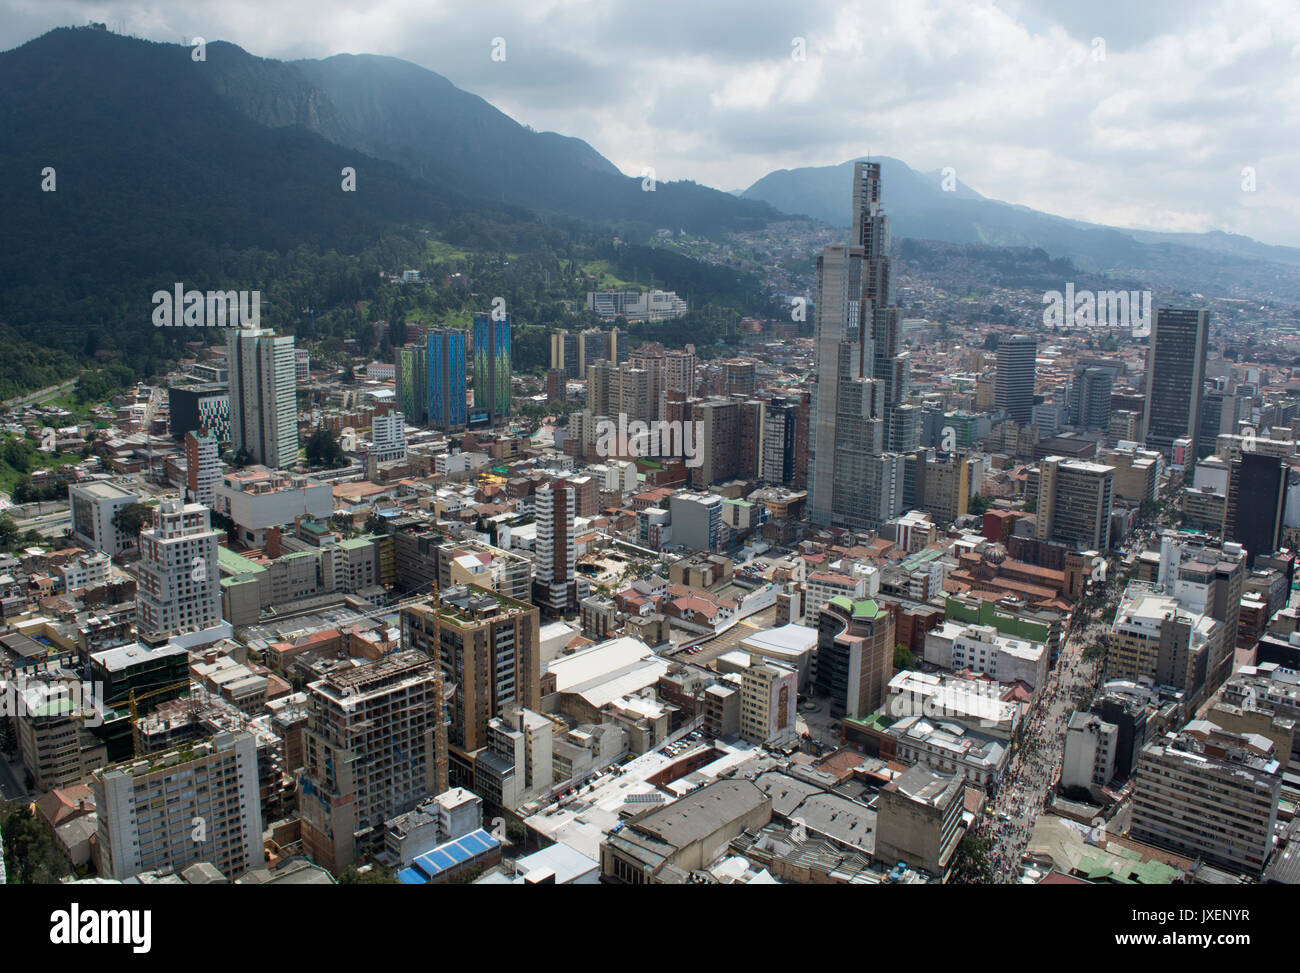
(228, 174)
(395, 110)
(920, 208)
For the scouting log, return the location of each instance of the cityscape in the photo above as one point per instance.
(410, 497)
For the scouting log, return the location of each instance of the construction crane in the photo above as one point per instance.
(133, 699)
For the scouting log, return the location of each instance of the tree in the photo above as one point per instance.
(970, 862)
(904, 658)
(323, 449)
(131, 518)
(30, 855)
(376, 524)
(977, 505)
(8, 533)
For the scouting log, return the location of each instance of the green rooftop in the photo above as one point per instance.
(867, 609)
(234, 563)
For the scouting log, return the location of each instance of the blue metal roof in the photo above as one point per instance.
(445, 857)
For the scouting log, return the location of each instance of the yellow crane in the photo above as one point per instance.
(133, 700)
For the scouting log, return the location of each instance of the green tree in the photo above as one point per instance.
(8, 533)
(131, 518)
(30, 855)
(323, 449)
(978, 505)
(970, 862)
(904, 658)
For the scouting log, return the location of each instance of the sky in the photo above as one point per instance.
(1176, 115)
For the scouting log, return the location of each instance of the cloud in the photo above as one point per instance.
(1011, 93)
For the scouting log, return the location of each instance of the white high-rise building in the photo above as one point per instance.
(201, 802)
(179, 586)
(202, 468)
(263, 407)
(387, 442)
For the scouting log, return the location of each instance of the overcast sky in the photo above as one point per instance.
(1010, 93)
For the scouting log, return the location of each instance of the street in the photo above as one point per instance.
(1036, 760)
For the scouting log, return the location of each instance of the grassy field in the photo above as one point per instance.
(606, 279)
(441, 253)
(9, 476)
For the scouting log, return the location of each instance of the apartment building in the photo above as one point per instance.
(375, 746)
(489, 650)
(768, 693)
(1156, 637)
(1073, 502)
(1209, 795)
(198, 803)
(179, 579)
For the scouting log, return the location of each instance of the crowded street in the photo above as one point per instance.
(1036, 759)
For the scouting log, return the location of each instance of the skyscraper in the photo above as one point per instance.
(263, 404)
(179, 582)
(411, 372)
(445, 353)
(492, 367)
(1256, 500)
(1090, 397)
(1017, 365)
(555, 588)
(1175, 376)
(858, 407)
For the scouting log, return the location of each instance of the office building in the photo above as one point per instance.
(1253, 516)
(445, 354)
(411, 381)
(179, 587)
(1153, 636)
(855, 655)
(375, 746)
(1209, 795)
(1175, 375)
(1091, 746)
(1017, 369)
(199, 803)
(1072, 502)
(919, 820)
(94, 508)
(696, 520)
(1090, 393)
(1208, 580)
(492, 369)
(200, 408)
(768, 693)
